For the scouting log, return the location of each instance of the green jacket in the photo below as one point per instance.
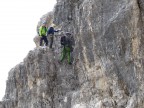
(43, 31)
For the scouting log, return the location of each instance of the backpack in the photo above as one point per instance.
(51, 30)
(66, 41)
(63, 40)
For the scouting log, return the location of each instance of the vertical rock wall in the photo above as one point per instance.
(109, 44)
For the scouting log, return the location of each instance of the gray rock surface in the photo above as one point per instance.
(107, 69)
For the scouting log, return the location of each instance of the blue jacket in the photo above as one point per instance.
(51, 30)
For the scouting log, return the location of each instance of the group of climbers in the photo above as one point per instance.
(65, 41)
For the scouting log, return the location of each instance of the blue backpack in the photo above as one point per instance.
(51, 30)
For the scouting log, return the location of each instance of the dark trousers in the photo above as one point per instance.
(51, 40)
(45, 40)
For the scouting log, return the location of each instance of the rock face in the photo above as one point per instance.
(107, 69)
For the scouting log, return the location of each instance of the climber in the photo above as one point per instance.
(50, 33)
(42, 34)
(66, 42)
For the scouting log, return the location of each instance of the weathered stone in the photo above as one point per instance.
(107, 69)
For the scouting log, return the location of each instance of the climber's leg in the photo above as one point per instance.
(41, 40)
(46, 41)
(63, 54)
(68, 54)
(51, 40)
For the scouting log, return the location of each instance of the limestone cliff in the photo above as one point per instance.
(108, 64)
